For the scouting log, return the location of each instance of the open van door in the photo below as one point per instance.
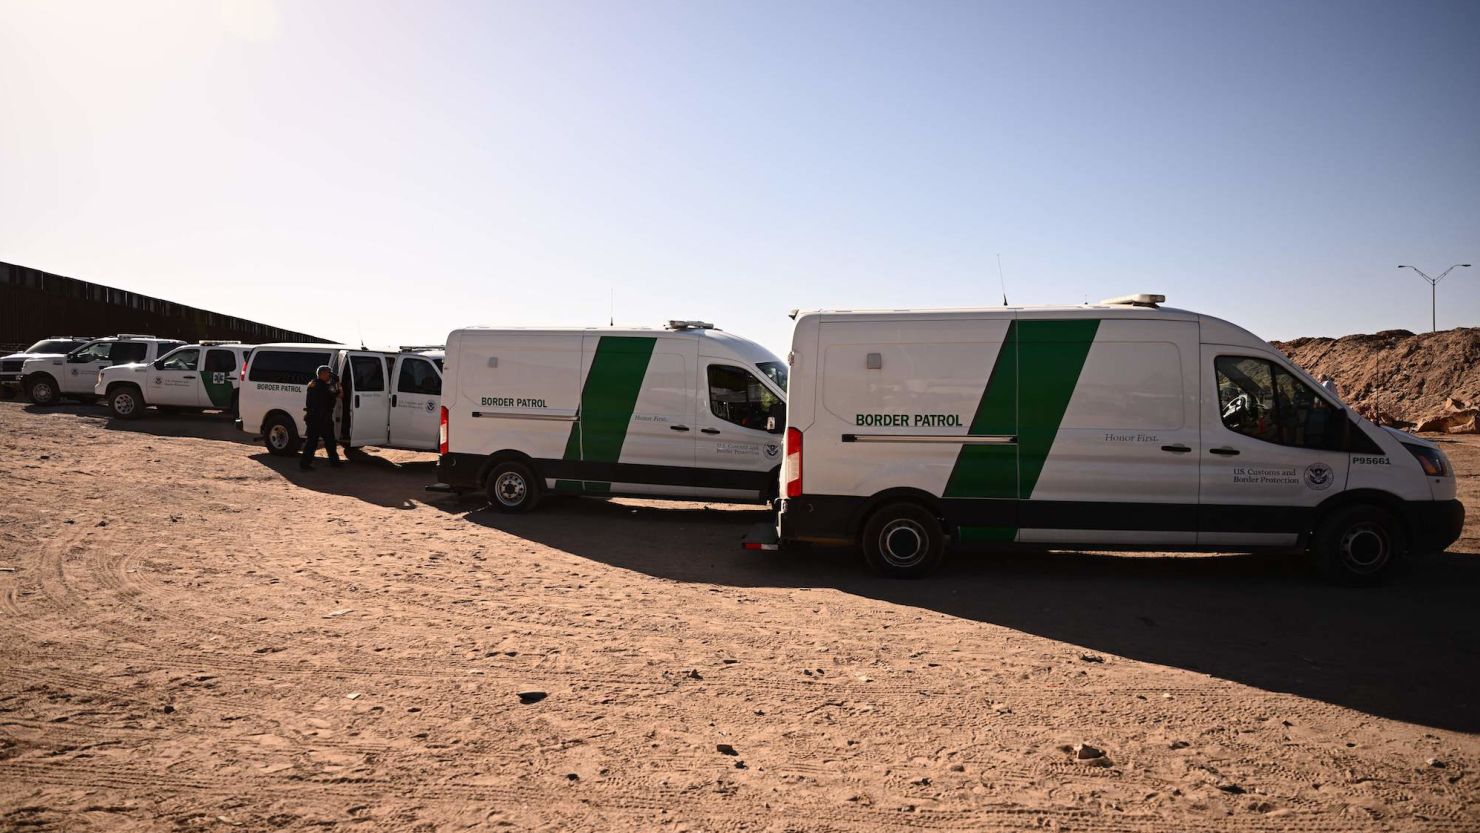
(370, 401)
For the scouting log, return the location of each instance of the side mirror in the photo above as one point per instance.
(159, 364)
(776, 421)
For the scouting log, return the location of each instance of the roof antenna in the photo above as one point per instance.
(611, 308)
(1002, 278)
(361, 331)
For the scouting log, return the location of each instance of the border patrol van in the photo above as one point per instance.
(1120, 425)
(677, 413)
(74, 375)
(196, 377)
(390, 397)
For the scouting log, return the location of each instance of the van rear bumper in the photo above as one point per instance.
(1433, 524)
(820, 519)
(460, 471)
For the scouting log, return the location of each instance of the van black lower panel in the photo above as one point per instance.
(1433, 525)
(463, 471)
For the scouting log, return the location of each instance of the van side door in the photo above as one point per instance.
(1121, 462)
(1272, 449)
(369, 403)
(735, 454)
(418, 393)
(175, 379)
(218, 378)
(636, 421)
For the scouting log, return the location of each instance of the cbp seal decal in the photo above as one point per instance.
(772, 449)
(1318, 476)
(431, 405)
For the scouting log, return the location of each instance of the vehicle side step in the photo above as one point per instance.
(441, 487)
(761, 537)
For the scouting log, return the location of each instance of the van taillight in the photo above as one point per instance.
(791, 470)
(243, 376)
(442, 433)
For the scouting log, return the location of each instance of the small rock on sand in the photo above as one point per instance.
(529, 697)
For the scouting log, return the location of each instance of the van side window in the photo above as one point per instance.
(220, 361)
(735, 395)
(128, 352)
(183, 360)
(417, 376)
(369, 373)
(284, 367)
(93, 353)
(1260, 399)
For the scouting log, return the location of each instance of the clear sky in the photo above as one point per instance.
(388, 172)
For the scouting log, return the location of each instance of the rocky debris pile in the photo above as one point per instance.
(1425, 382)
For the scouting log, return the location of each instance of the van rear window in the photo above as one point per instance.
(285, 367)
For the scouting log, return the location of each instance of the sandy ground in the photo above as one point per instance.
(194, 635)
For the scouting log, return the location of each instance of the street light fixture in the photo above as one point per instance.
(1434, 291)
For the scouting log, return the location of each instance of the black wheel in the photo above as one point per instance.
(43, 389)
(280, 436)
(1356, 545)
(513, 488)
(236, 406)
(903, 540)
(126, 402)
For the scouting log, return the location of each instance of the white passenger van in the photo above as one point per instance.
(390, 397)
(50, 378)
(676, 413)
(198, 377)
(1119, 425)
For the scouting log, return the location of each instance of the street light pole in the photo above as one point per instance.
(1434, 291)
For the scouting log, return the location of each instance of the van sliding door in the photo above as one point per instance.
(370, 402)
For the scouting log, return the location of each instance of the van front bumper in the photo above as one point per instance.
(1433, 524)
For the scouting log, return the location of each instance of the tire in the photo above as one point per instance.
(512, 488)
(43, 390)
(1356, 546)
(903, 540)
(126, 402)
(280, 436)
(236, 406)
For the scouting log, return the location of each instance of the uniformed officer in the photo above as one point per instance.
(318, 412)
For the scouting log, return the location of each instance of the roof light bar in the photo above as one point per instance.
(1143, 300)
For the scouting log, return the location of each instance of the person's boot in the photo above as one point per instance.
(305, 465)
(336, 463)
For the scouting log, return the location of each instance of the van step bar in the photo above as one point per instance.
(441, 487)
(761, 537)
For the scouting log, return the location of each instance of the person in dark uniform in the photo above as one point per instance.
(318, 412)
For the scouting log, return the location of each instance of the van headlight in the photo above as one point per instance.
(1432, 459)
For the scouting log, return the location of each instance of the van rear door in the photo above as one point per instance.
(1272, 449)
(370, 400)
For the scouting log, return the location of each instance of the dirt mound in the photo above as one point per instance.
(1400, 378)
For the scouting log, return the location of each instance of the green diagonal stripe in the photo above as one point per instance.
(607, 400)
(1027, 394)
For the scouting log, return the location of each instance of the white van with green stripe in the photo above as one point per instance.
(689, 412)
(1120, 425)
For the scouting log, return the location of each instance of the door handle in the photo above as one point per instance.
(393, 400)
(187, 377)
(709, 430)
(1225, 451)
(357, 400)
(1176, 449)
(678, 428)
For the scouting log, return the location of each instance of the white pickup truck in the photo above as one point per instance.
(48, 380)
(200, 377)
(47, 348)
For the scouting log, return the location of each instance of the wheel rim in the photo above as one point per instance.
(903, 543)
(123, 404)
(1365, 547)
(42, 392)
(277, 435)
(510, 488)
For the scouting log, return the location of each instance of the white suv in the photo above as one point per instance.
(201, 376)
(48, 380)
(46, 348)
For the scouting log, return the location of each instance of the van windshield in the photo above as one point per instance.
(776, 371)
